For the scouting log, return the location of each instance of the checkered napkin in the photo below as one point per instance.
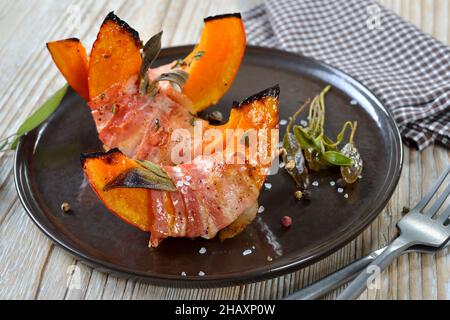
(407, 69)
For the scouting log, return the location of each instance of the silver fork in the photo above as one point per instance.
(340, 277)
(418, 227)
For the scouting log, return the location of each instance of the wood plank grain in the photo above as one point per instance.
(429, 175)
(442, 160)
(441, 24)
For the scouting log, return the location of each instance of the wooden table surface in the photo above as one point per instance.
(32, 267)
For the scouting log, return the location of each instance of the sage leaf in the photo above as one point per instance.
(149, 54)
(157, 170)
(337, 158)
(198, 55)
(3, 145)
(148, 176)
(40, 115)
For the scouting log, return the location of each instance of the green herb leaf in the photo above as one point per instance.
(148, 176)
(318, 142)
(154, 168)
(198, 55)
(306, 142)
(149, 54)
(336, 158)
(3, 145)
(40, 115)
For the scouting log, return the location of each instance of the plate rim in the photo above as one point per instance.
(251, 275)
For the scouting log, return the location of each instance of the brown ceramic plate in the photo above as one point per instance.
(48, 172)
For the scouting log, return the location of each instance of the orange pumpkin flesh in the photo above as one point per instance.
(115, 56)
(70, 57)
(131, 205)
(215, 61)
(134, 205)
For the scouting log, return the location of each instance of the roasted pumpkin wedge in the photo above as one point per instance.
(71, 59)
(215, 61)
(115, 56)
(131, 205)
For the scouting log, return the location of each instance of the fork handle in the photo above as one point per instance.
(357, 286)
(333, 281)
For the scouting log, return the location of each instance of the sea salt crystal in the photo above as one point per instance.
(346, 196)
(315, 183)
(175, 202)
(187, 183)
(281, 165)
(202, 250)
(332, 183)
(188, 178)
(303, 123)
(183, 274)
(353, 102)
(247, 252)
(179, 184)
(201, 273)
(340, 190)
(261, 209)
(283, 122)
(268, 185)
(269, 258)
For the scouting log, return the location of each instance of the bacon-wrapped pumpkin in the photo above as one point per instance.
(206, 195)
(209, 194)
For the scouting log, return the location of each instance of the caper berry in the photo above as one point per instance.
(353, 172)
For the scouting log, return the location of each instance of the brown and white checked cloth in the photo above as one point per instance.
(407, 69)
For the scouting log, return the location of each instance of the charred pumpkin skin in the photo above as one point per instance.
(130, 205)
(115, 56)
(71, 59)
(219, 56)
(134, 205)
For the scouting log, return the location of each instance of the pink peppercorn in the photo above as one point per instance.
(286, 221)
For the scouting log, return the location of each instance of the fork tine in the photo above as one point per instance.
(444, 216)
(439, 202)
(422, 203)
